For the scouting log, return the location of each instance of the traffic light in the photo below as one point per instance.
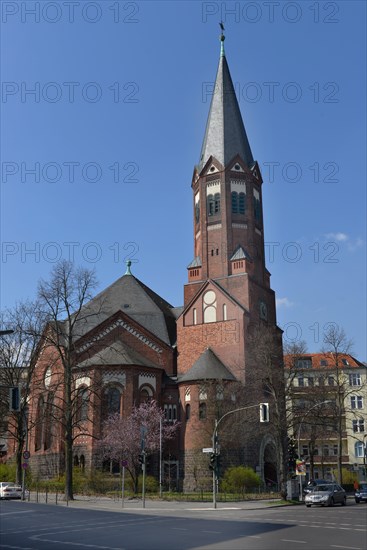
(264, 412)
(142, 459)
(213, 461)
(292, 454)
(14, 399)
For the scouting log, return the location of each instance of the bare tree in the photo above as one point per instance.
(63, 300)
(17, 354)
(335, 349)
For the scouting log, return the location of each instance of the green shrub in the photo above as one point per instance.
(7, 472)
(240, 479)
(151, 484)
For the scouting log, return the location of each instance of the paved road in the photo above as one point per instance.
(178, 526)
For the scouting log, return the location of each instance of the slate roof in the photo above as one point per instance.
(116, 354)
(138, 301)
(240, 254)
(225, 135)
(345, 361)
(196, 262)
(207, 367)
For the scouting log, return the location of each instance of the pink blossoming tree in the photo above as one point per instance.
(122, 436)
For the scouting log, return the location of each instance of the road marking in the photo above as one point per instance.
(16, 547)
(12, 513)
(215, 532)
(179, 529)
(349, 547)
(291, 540)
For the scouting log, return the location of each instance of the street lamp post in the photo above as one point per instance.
(298, 440)
(215, 442)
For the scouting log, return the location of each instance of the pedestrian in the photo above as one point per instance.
(355, 484)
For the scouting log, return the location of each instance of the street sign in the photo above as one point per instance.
(208, 450)
(300, 468)
(25, 465)
(124, 463)
(26, 455)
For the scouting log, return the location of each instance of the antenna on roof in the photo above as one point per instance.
(222, 38)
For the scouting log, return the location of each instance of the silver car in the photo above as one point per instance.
(326, 495)
(9, 489)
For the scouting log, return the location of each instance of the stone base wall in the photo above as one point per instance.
(46, 466)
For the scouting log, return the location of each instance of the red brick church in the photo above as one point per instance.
(197, 361)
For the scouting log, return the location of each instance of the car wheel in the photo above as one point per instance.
(308, 505)
(357, 500)
(344, 501)
(331, 503)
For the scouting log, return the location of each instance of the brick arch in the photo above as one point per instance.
(267, 444)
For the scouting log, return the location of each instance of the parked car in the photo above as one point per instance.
(312, 484)
(10, 490)
(326, 495)
(361, 493)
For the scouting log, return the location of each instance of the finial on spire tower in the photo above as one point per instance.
(128, 265)
(222, 38)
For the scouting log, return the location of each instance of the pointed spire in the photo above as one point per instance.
(225, 135)
(128, 270)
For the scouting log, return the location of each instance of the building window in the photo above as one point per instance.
(203, 395)
(220, 393)
(40, 418)
(82, 402)
(170, 412)
(48, 422)
(356, 402)
(325, 450)
(210, 307)
(210, 205)
(113, 401)
(146, 394)
(304, 364)
(187, 412)
(323, 363)
(202, 411)
(234, 202)
(187, 393)
(217, 203)
(358, 425)
(241, 203)
(194, 315)
(331, 381)
(345, 362)
(224, 312)
(301, 381)
(355, 379)
(304, 450)
(310, 381)
(335, 450)
(358, 449)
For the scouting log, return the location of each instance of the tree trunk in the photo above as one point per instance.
(68, 437)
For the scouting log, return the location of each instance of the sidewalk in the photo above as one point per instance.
(136, 504)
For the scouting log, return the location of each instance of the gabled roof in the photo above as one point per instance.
(321, 361)
(136, 300)
(117, 353)
(240, 254)
(207, 367)
(196, 262)
(225, 134)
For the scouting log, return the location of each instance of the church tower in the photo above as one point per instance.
(228, 289)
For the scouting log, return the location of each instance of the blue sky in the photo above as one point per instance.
(114, 128)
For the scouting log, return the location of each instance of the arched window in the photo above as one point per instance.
(202, 411)
(210, 205)
(82, 403)
(146, 394)
(48, 422)
(76, 460)
(82, 463)
(241, 203)
(234, 202)
(113, 401)
(217, 203)
(40, 419)
(188, 411)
